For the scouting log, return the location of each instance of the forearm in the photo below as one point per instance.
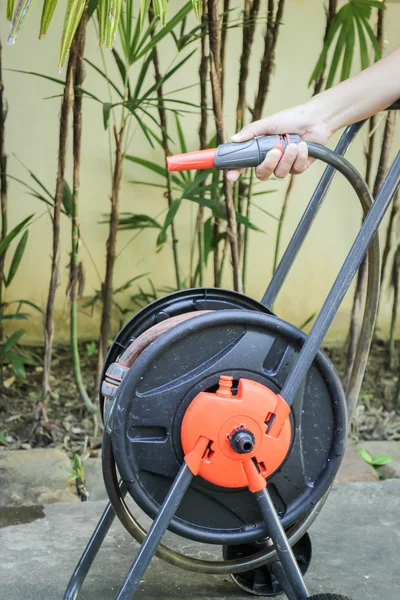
(361, 96)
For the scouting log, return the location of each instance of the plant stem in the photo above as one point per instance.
(224, 35)
(274, 20)
(387, 141)
(330, 14)
(389, 233)
(395, 285)
(77, 51)
(54, 272)
(203, 71)
(280, 223)
(250, 12)
(362, 276)
(111, 246)
(215, 66)
(3, 192)
(163, 121)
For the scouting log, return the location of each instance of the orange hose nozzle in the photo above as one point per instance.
(202, 159)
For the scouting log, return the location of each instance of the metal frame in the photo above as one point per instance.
(284, 564)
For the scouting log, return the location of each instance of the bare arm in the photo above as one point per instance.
(357, 98)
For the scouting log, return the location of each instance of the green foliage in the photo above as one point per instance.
(377, 462)
(91, 349)
(352, 18)
(76, 470)
(110, 16)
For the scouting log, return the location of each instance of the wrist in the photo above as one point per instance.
(319, 114)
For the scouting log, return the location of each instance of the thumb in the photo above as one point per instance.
(265, 126)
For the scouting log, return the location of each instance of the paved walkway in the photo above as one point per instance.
(356, 544)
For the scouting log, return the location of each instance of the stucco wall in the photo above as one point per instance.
(32, 136)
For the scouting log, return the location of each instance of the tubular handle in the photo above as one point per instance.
(234, 155)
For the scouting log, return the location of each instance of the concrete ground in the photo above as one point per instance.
(356, 543)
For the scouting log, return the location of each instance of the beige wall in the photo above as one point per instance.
(32, 136)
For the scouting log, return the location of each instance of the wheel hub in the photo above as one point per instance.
(251, 426)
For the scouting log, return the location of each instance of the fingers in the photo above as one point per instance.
(295, 160)
(234, 174)
(265, 126)
(269, 165)
(301, 163)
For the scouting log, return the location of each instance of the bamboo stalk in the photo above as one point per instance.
(215, 69)
(224, 35)
(203, 71)
(3, 191)
(362, 275)
(54, 271)
(330, 14)
(274, 20)
(77, 51)
(163, 121)
(250, 12)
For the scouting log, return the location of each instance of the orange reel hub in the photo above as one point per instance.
(236, 440)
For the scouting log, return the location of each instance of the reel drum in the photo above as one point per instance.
(190, 358)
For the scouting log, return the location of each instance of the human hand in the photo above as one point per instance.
(302, 120)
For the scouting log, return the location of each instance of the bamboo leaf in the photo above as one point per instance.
(373, 38)
(128, 283)
(20, 13)
(243, 220)
(207, 238)
(12, 340)
(6, 241)
(363, 45)
(73, 15)
(67, 199)
(142, 74)
(148, 164)
(10, 9)
(129, 221)
(107, 106)
(113, 15)
(349, 52)
(144, 7)
(17, 364)
(340, 45)
(160, 10)
(92, 7)
(197, 8)
(49, 7)
(103, 74)
(182, 142)
(173, 209)
(18, 254)
(337, 21)
(165, 77)
(14, 317)
(177, 18)
(122, 70)
(28, 303)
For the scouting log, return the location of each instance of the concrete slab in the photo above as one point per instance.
(356, 543)
(31, 477)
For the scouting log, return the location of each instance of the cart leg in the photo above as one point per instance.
(155, 533)
(91, 550)
(285, 554)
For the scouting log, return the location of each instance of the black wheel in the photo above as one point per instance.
(261, 581)
(328, 597)
(153, 398)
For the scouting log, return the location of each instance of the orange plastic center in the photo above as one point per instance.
(211, 421)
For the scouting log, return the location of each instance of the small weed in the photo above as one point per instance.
(375, 461)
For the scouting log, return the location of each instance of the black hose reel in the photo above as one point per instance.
(227, 425)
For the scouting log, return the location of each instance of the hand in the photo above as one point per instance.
(301, 120)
